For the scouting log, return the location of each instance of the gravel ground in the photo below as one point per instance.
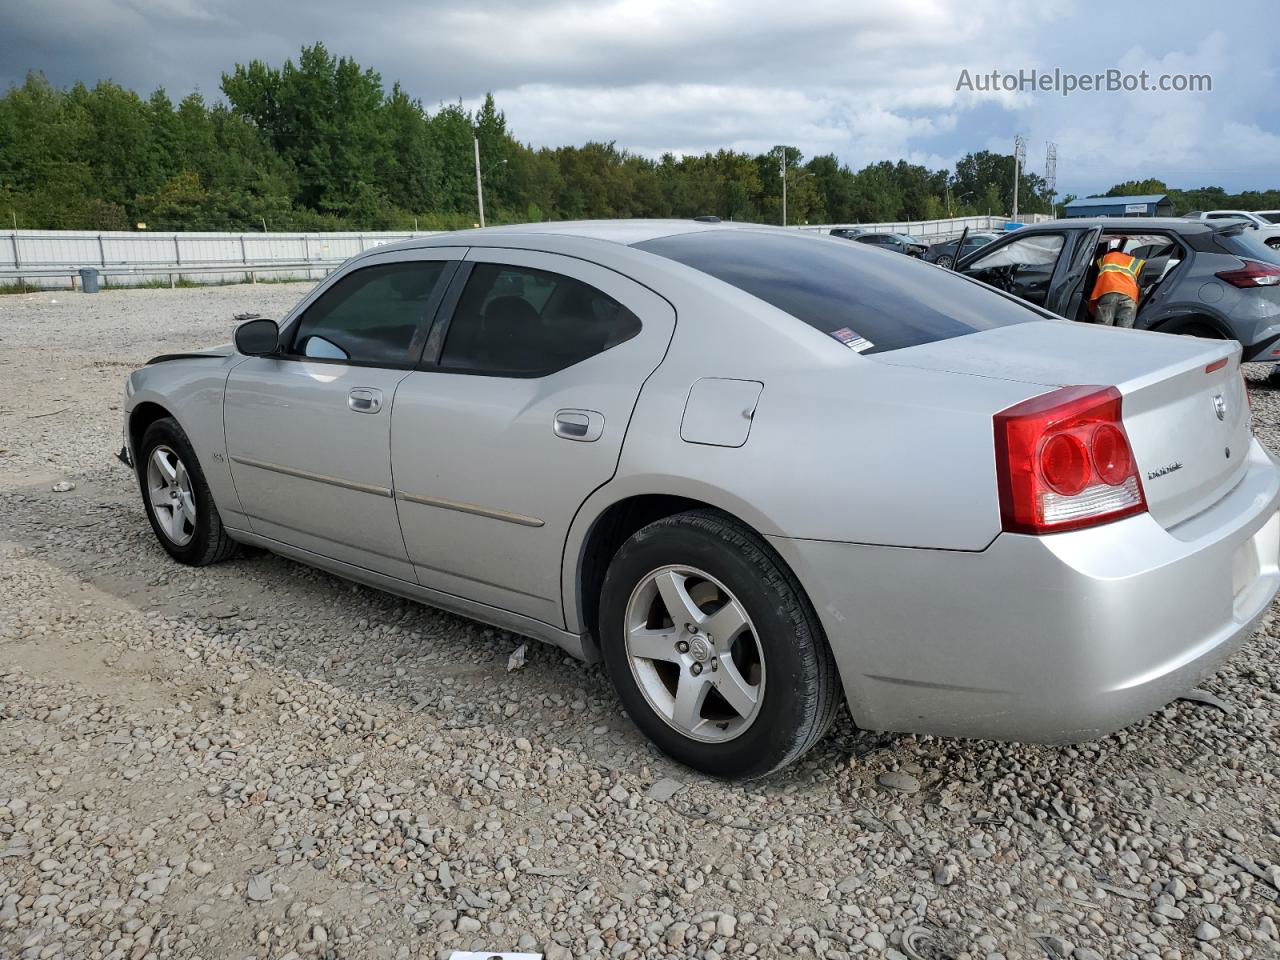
(259, 760)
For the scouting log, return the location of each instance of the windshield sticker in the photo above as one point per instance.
(852, 340)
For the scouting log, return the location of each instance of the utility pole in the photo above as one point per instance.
(479, 187)
(782, 166)
(1019, 153)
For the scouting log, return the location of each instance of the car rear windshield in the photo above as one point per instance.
(888, 300)
(1248, 243)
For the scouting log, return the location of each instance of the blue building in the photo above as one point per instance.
(1147, 205)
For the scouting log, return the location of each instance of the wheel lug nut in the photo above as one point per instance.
(682, 647)
(691, 628)
(696, 669)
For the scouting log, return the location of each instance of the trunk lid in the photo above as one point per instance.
(1185, 408)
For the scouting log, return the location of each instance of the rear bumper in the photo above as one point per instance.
(1046, 639)
(1265, 349)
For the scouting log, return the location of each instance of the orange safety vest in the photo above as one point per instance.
(1117, 273)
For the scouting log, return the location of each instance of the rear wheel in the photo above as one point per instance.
(945, 261)
(177, 498)
(714, 650)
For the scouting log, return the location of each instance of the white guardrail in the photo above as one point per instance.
(43, 258)
(54, 258)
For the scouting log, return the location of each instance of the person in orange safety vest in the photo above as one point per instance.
(1114, 300)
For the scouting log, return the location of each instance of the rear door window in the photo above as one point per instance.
(520, 322)
(890, 302)
(1248, 243)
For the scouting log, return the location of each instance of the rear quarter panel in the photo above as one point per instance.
(841, 447)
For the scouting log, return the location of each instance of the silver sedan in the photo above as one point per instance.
(760, 474)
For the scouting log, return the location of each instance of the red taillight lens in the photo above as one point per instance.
(1252, 273)
(1064, 464)
(1063, 461)
(1111, 456)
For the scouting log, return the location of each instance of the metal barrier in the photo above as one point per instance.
(42, 258)
(930, 231)
(174, 272)
(45, 257)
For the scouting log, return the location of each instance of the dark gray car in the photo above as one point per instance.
(898, 242)
(944, 254)
(1206, 279)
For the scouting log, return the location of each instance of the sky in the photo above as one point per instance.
(867, 81)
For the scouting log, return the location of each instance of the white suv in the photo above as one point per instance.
(1269, 228)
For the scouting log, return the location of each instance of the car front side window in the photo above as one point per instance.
(522, 322)
(1039, 251)
(371, 316)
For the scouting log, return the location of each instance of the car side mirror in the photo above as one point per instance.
(259, 337)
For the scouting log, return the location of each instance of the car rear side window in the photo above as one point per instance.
(840, 288)
(521, 322)
(371, 315)
(1248, 243)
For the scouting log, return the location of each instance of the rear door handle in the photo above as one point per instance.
(365, 399)
(583, 425)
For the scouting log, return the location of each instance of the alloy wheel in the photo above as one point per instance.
(171, 496)
(694, 653)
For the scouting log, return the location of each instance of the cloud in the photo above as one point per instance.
(864, 80)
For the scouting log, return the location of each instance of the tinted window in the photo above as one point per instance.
(514, 321)
(892, 302)
(1271, 216)
(370, 315)
(1248, 243)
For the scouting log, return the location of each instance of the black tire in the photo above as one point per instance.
(803, 692)
(209, 542)
(946, 260)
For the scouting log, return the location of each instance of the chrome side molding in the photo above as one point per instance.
(479, 511)
(317, 477)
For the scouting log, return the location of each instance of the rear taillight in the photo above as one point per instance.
(1253, 273)
(1063, 461)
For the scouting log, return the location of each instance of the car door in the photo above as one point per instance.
(1067, 294)
(1023, 266)
(308, 430)
(516, 415)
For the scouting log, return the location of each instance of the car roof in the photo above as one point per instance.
(624, 232)
(1176, 224)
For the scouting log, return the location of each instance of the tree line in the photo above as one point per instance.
(322, 144)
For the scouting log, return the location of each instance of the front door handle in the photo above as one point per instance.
(584, 425)
(365, 399)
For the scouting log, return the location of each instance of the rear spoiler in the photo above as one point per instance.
(1229, 228)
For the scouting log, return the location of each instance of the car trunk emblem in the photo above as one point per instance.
(1220, 407)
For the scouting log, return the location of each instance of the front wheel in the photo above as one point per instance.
(714, 650)
(945, 261)
(177, 498)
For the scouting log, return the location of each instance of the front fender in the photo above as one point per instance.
(191, 391)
